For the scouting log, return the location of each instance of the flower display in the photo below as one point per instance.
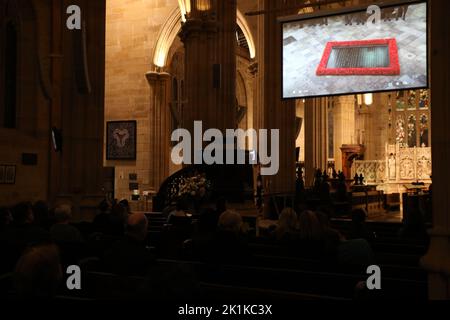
(195, 185)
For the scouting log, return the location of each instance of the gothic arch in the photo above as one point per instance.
(172, 27)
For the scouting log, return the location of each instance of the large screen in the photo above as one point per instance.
(355, 52)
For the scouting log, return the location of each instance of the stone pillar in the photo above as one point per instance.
(76, 173)
(278, 114)
(160, 93)
(344, 126)
(437, 261)
(209, 37)
(316, 133)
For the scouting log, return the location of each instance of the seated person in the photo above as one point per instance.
(116, 221)
(5, 218)
(22, 233)
(126, 205)
(414, 227)
(62, 231)
(229, 244)
(129, 256)
(180, 215)
(359, 229)
(42, 215)
(38, 272)
(204, 234)
(317, 240)
(100, 222)
(286, 229)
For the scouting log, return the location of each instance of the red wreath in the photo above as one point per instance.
(393, 69)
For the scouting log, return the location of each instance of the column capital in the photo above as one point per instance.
(195, 26)
(254, 68)
(153, 76)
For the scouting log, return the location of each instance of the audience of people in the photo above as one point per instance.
(34, 239)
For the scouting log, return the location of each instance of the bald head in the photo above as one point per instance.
(137, 226)
(38, 272)
(230, 221)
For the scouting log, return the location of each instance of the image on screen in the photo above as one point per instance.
(345, 54)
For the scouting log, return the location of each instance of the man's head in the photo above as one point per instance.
(230, 221)
(359, 216)
(22, 213)
(137, 226)
(63, 213)
(38, 272)
(5, 217)
(126, 205)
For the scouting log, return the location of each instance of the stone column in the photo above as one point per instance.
(160, 93)
(278, 114)
(316, 133)
(209, 37)
(437, 261)
(344, 126)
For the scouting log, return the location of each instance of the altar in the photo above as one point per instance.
(403, 174)
(400, 167)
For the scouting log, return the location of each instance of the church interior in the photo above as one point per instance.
(92, 94)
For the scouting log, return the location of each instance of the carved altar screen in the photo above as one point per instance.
(412, 119)
(408, 158)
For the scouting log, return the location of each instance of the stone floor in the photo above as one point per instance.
(304, 44)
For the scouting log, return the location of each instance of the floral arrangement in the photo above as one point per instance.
(195, 186)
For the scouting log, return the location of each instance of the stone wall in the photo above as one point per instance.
(52, 91)
(132, 29)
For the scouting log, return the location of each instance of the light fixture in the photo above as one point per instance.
(360, 100)
(56, 139)
(189, 6)
(368, 99)
(203, 5)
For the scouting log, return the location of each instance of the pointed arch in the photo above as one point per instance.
(172, 27)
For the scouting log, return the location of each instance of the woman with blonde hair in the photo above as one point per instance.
(315, 242)
(287, 225)
(309, 226)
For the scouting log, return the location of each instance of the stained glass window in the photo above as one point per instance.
(424, 132)
(400, 132)
(400, 101)
(423, 99)
(412, 132)
(411, 100)
(411, 118)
